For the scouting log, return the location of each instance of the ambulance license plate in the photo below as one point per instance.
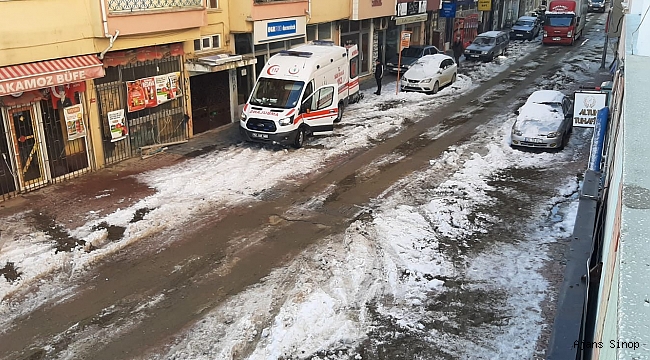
(260, 136)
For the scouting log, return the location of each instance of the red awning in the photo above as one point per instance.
(37, 75)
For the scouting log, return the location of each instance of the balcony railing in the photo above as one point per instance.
(118, 6)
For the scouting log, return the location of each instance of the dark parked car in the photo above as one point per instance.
(596, 6)
(409, 56)
(526, 28)
(487, 46)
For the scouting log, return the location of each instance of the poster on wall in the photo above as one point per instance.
(116, 124)
(167, 87)
(74, 121)
(152, 91)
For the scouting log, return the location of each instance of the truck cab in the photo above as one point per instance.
(564, 21)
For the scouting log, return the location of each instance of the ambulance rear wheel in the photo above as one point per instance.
(300, 138)
(339, 116)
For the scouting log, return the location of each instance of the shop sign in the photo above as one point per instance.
(586, 106)
(279, 28)
(12, 86)
(269, 30)
(74, 121)
(116, 123)
(448, 10)
(411, 19)
(152, 91)
(484, 5)
(411, 8)
(405, 40)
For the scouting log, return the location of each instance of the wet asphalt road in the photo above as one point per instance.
(226, 252)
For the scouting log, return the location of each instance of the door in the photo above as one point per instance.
(447, 70)
(321, 109)
(27, 146)
(210, 101)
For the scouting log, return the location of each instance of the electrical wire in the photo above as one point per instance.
(638, 27)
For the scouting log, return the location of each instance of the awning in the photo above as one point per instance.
(16, 79)
(216, 63)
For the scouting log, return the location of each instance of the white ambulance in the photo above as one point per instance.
(301, 92)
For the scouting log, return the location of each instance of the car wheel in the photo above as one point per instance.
(436, 86)
(300, 138)
(339, 115)
(453, 78)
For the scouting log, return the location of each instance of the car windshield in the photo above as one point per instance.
(484, 41)
(276, 93)
(411, 52)
(524, 23)
(559, 20)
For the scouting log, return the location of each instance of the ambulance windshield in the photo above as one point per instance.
(277, 93)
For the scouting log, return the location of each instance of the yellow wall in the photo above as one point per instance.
(33, 30)
(238, 11)
(329, 10)
(365, 10)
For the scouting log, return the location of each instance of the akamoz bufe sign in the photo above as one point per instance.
(34, 82)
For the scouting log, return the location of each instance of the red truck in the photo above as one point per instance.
(564, 21)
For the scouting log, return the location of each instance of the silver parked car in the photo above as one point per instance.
(429, 74)
(544, 121)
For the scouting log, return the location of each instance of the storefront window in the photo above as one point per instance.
(354, 25)
(296, 42)
(243, 43)
(311, 32)
(325, 31)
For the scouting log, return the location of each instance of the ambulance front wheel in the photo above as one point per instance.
(339, 116)
(300, 138)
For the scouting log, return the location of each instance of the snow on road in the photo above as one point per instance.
(331, 297)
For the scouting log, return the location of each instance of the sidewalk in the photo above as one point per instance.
(69, 202)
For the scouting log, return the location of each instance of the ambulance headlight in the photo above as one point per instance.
(286, 121)
(243, 117)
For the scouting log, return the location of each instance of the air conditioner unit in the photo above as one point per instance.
(381, 24)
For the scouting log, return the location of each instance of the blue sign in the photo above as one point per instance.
(279, 28)
(448, 10)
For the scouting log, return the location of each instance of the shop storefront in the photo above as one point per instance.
(213, 80)
(411, 16)
(272, 36)
(269, 37)
(44, 122)
(141, 100)
(358, 33)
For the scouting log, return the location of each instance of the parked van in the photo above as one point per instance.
(300, 92)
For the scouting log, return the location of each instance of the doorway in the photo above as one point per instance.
(210, 101)
(27, 144)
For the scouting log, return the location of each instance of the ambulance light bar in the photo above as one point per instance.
(323, 42)
(296, 53)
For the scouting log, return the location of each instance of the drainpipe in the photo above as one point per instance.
(106, 33)
(308, 10)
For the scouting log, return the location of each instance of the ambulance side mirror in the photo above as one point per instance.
(304, 108)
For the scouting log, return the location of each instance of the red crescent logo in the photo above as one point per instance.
(273, 70)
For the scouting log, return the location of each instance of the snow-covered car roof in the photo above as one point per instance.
(527, 18)
(432, 59)
(491, 34)
(545, 96)
(539, 112)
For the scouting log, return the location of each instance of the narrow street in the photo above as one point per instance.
(415, 232)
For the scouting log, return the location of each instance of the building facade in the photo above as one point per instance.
(46, 110)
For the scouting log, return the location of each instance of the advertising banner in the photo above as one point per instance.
(116, 124)
(74, 121)
(152, 91)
